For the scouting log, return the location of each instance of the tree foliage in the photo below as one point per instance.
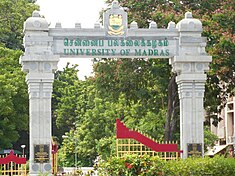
(94, 133)
(220, 30)
(64, 99)
(13, 13)
(13, 89)
(13, 98)
(141, 82)
(209, 138)
(138, 79)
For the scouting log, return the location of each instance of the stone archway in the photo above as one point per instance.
(182, 44)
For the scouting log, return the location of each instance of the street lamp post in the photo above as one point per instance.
(23, 147)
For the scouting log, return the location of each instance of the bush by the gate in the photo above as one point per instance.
(131, 165)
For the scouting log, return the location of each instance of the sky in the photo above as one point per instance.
(69, 12)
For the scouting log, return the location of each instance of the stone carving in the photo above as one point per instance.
(47, 67)
(37, 24)
(171, 25)
(33, 65)
(47, 167)
(153, 25)
(35, 167)
(199, 67)
(134, 25)
(186, 67)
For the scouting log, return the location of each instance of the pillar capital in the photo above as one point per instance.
(189, 24)
(38, 56)
(36, 23)
(36, 63)
(190, 64)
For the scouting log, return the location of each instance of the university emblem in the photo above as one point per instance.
(115, 25)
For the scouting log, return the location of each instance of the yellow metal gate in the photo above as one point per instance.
(12, 165)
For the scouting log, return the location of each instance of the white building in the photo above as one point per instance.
(225, 128)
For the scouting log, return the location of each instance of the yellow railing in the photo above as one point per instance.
(12, 168)
(131, 146)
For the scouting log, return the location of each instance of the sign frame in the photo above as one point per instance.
(41, 153)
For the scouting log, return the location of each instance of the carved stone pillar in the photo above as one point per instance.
(39, 63)
(190, 65)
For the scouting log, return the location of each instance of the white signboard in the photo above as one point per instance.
(113, 48)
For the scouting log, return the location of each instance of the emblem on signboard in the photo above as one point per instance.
(41, 153)
(195, 150)
(115, 25)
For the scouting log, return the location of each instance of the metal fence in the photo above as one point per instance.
(12, 165)
(131, 146)
(133, 142)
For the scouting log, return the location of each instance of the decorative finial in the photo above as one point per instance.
(115, 4)
(188, 15)
(153, 25)
(36, 14)
(134, 25)
(171, 25)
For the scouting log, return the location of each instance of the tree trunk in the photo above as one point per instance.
(172, 110)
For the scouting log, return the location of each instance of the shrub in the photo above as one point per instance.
(131, 165)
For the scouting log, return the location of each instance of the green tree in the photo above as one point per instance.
(141, 82)
(220, 30)
(84, 103)
(209, 138)
(94, 134)
(13, 98)
(13, 13)
(66, 89)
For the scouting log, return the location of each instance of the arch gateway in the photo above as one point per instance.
(182, 44)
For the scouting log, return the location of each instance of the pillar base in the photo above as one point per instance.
(40, 168)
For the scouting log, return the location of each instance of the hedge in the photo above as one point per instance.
(132, 165)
